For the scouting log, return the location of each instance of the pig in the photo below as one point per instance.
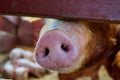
(8, 70)
(21, 73)
(29, 27)
(12, 19)
(18, 53)
(34, 68)
(14, 72)
(6, 25)
(7, 41)
(74, 47)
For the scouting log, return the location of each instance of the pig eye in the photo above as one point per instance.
(64, 48)
(46, 52)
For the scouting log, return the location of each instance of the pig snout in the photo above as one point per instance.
(55, 50)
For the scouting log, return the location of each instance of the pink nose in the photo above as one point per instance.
(55, 50)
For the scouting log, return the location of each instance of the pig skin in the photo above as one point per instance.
(34, 68)
(18, 53)
(8, 70)
(30, 30)
(7, 41)
(14, 72)
(12, 19)
(21, 73)
(95, 42)
(7, 26)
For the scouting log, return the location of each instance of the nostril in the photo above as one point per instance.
(64, 48)
(46, 52)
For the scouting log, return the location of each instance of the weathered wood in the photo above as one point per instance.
(90, 10)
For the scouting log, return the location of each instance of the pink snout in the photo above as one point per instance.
(55, 50)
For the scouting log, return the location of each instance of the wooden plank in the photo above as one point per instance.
(95, 10)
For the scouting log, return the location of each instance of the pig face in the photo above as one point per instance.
(67, 46)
